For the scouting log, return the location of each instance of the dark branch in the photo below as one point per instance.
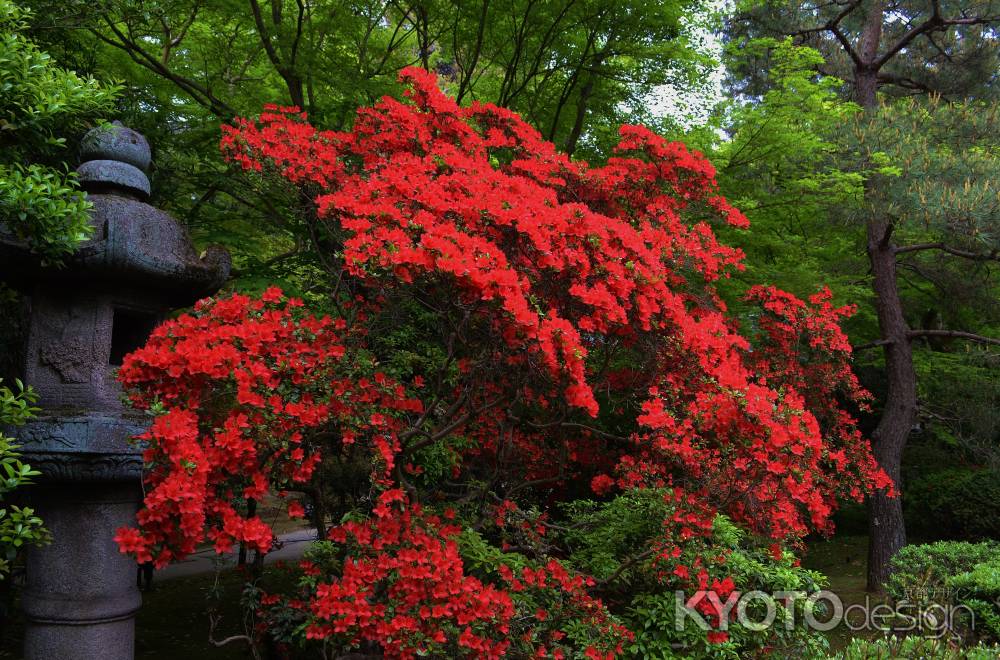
(871, 344)
(933, 24)
(833, 26)
(200, 93)
(884, 243)
(848, 48)
(954, 334)
(625, 565)
(993, 255)
(907, 83)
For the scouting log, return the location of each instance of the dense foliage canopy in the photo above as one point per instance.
(40, 104)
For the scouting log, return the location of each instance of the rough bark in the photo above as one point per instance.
(865, 62)
(887, 533)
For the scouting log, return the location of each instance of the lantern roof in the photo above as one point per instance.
(134, 245)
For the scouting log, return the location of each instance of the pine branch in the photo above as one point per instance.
(954, 334)
(933, 24)
(871, 344)
(993, 255)
(833, 26)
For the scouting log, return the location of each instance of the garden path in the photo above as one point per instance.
(291, 545)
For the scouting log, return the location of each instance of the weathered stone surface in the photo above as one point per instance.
(83, 448)
(69, 359)
(152, 249)
(136, 251)
(102, 175)
(81, 597)
(67, 356)
(116, 142)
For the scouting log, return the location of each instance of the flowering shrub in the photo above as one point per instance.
(570, 334)
(403, 586)
(241, 386)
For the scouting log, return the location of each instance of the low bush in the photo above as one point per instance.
(600, 531)
(921, 570)
(923, 648)
(962, 578)
(979, 590)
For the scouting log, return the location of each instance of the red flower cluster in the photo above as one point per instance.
(563, 601)
(562, 249)
(238, 385)
(759, 429)
(821, 376)
(403, 585)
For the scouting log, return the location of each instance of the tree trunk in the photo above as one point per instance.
(865, 71)
(581, 116)
(296, 88)
(584, 101)
(866, 87)
(319, 513)
(886, 527)
(887, 533)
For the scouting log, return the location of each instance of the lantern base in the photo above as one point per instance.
(80, 598)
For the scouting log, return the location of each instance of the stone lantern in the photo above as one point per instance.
(81, 598)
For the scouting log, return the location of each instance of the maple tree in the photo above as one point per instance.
(575, 337)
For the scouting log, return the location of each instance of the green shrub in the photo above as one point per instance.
(922, 571)
(918, 648)
(979, 590)
(956, 503)
(19, 526)
(963, 578)
(603, 533)
(652, 615)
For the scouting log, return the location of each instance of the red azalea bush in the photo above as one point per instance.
(569, 333)
(404, 587)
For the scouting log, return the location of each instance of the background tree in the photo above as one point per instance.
(903, 48)
(779, 158)
(897, 47)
